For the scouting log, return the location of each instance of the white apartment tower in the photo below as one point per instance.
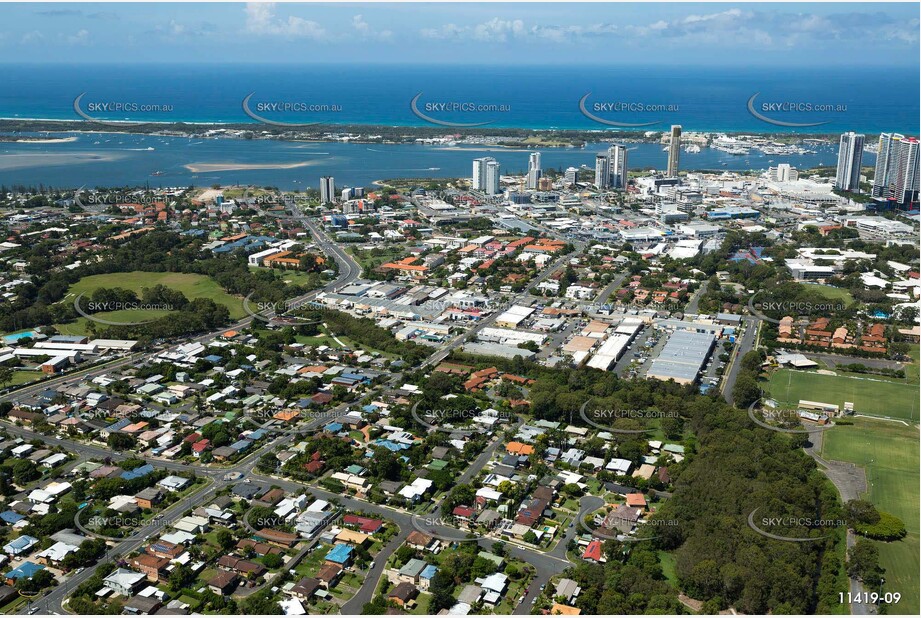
(533, 170)
(674, 151)
(618, 156)
(602, 170)
(850, 156)
(327, 190)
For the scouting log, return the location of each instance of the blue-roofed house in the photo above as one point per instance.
(241, 445)
(257, 435)
(333, 427)
(425, 577)
(21, 545)
(213, 358)
(25, 570)
(391, 445)
(11, 517)
(137, 472)
(116, 426)
(340, 554)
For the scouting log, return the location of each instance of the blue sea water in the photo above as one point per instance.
(863, 99)
(700, 99)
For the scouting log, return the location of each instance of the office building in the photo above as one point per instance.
(571, 175)
(327, 189)
(783, 172)
(850, 156)
(674, 151)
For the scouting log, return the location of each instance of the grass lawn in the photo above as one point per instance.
(668, 563)
(875, 397)
(889, 452)
(292, 277)
(832, 293)
(24, 377)
(191, 285)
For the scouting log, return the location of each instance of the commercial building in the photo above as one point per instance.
(683, 356)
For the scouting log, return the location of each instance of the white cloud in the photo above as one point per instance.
(364, 29)
(81, 38)
(261, 20)
(33, 36)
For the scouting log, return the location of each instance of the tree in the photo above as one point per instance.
(441, 588)
(226, 539)
(181, 577)
(118, 441)
(6, 376)
(863, 563)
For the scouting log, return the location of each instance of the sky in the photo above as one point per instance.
(627, 34)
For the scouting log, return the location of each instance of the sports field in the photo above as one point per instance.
(878, 397)
(889, 453)
(191, 285)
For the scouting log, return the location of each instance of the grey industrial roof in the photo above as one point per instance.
(683, 356)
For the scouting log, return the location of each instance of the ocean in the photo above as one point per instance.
(699, 99)
(869, 100)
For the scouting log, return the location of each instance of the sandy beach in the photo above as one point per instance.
(233, 167)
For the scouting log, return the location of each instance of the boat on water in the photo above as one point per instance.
(692, 149)
(157, 173)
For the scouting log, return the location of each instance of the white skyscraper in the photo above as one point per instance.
(602, 170)
(534, 172)
(887, 158)
(905, 178)
(618, 156)
(492, 178)
(674, 151)
(327, 190)
(485, 175)
(478, 182)
(850, 156)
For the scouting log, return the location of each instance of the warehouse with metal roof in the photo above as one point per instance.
(683, 356)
